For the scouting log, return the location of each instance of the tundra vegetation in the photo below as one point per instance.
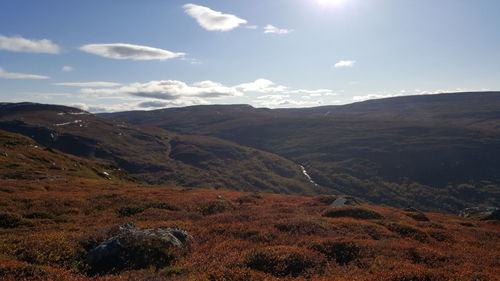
(48, 229)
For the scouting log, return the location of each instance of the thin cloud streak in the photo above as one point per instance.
(88, 84)
(129, 51)
(168, 90)
(13, 75)
(20, 44)
(271, 29)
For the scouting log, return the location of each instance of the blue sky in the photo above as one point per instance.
(279, 53)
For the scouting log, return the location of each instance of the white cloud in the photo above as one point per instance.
(169, 90)
(168, 93)
(192, 61)
(262, 86)
(67, 68)
(49, 95)
(129, 51)
(345, 63)
(88, 84)
(20, 44)
(318, 92)
(213, 20)
(251, 26)
(141, 105)
(12, 75)
(271, 29)
(101, 108)
(274, 101)
(266, 86)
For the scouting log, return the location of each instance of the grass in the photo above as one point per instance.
(244, 236)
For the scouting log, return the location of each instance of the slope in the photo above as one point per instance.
(23, 158)
(154, 155)
(437, 152)
(53, 226)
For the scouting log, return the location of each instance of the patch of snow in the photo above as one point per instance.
(79, 113)
(68, 123)
(307, 175)
(73, 113)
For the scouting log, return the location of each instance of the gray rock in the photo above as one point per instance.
(477, 212)
(134, 248)
(343, 201)
(104, 174)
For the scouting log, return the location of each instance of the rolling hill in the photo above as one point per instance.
(436, 152)
(153, 155)
(21, 158)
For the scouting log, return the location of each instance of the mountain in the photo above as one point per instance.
(21, 158)
(154, 155)
(436, 152)
(65, 218)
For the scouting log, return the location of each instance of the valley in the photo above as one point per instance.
(239, 193)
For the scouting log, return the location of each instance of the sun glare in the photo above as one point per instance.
(330, 2)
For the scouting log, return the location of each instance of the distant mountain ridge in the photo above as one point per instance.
(437, 152)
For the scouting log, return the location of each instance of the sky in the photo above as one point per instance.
(116, 55)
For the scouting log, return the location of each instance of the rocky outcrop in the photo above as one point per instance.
(135, 248)
(477, 212)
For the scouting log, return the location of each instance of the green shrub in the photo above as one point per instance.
(22, 272)
(356, 213)
(408, 231)
(215, 207)
(418, 216)
(49, 250)
(302, 227)
(38, 215)
(130, 210)
(162, 205)
(326, 199)
(342, 252)
(10, 220)
(250, 198)
(282, 261)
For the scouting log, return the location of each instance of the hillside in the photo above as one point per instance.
(48, 231)
(153, 155)
(436, 152)
(22, 158)
(64, 218)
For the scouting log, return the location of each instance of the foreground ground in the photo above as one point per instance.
(47, 228)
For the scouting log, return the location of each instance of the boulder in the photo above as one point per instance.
(132, 247)
(343, 201)
(477, 212)
(495, 215)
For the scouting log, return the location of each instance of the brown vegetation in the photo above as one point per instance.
(47, 229)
